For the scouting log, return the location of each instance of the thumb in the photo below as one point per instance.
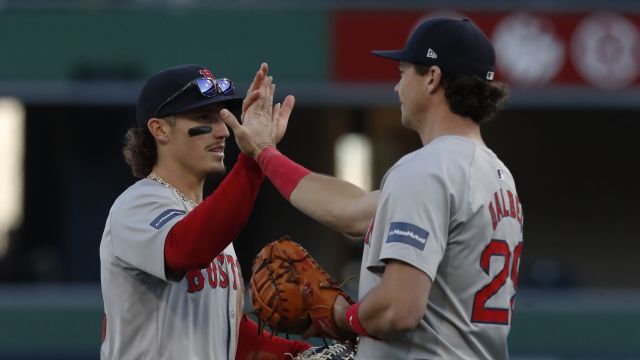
(230, 120)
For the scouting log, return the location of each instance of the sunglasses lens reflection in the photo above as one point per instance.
(206, 86)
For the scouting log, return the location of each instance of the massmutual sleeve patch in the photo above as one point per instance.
(409, 234)
(165, 217)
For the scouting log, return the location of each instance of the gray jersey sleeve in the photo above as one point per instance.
(414, 214)
(140, 222)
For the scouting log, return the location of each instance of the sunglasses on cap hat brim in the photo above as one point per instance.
(208, 88)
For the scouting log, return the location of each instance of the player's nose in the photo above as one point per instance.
(220, 130)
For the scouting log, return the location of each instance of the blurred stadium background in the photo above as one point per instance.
(70, 72)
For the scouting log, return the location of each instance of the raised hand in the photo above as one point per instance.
(281, 112)
(259, 128)
(253, 91)
(263, 124)
(281, 115)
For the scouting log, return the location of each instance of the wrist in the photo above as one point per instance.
(250, 164)
(283, 173)
(258, 150)
(352, 320)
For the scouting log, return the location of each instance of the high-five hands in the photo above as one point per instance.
(263, 124)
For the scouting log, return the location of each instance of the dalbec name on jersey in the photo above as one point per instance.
(499, 208)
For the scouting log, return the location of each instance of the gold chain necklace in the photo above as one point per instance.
(190, 203)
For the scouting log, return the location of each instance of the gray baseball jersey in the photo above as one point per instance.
(149, 316)
(451, 210)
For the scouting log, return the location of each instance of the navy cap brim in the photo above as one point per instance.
(232, 103)
(399, 55)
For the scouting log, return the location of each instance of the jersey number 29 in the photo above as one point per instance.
(481, 313)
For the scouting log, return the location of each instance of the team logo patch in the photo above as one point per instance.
(165, 217)
(409, 234)
(207, 73)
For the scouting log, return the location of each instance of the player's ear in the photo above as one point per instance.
(433, 79)
(159, 129)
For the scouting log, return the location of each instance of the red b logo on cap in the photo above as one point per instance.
(207, 73)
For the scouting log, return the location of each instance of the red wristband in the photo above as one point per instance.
(282, 171)
(351, 316)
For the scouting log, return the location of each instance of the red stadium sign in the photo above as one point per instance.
(533, 49)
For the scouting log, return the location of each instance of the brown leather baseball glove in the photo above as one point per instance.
(290, 291)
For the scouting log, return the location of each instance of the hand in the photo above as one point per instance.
(280, 112)
(339, 309)
(281, 115)
(253, 92)
(259, 128)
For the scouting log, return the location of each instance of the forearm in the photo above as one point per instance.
(335, 203)
(328, 200)
(378, 316)
(393, 307)
(200, 236)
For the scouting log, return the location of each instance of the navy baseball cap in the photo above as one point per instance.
(455, 45)
(168, 92)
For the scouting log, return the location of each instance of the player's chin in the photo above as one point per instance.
(405, 121)
(216, 168)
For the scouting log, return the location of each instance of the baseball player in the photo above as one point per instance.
(171, 281)
(443, 236)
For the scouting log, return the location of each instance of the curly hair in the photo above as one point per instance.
(471, 96)
(140, 151)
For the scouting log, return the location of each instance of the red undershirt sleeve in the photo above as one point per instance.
(207, 230)
(264, 346)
